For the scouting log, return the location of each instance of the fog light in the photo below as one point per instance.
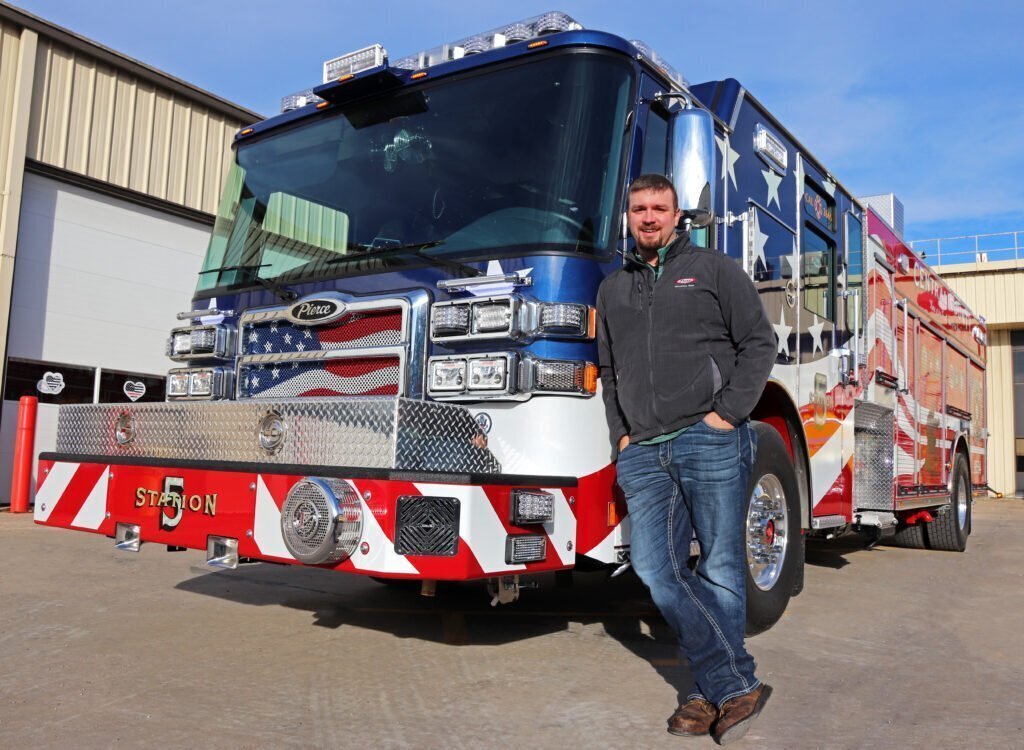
(201, 383)
(450, 320)
(532, 506)
(526, 548)
(128, 536)
(177, 384)
(492, 317)
(448, 375)
(488, 374)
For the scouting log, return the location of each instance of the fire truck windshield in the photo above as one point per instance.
(524, 159)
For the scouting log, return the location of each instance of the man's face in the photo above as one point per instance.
(653, 216)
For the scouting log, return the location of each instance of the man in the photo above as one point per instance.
(686, 348)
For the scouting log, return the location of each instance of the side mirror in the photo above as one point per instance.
(693, 164)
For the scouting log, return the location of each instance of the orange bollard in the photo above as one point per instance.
(24, 447)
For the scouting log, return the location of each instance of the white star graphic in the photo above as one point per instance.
(308, 334)
(287, 338)
(794, 261)
(300, 346)
(830, 188)
(782, 331)
(253, 338)
(273, 327)
(276, 373)
(774, 179)
(268, 346)
(728, 165)
(254, 381)
(760, 240)
(816, 330)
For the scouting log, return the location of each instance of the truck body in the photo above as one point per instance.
(389, 363)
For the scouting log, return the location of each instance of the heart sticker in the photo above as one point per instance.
(51, 383)
(134, 389)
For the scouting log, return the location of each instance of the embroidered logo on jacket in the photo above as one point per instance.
(686, 282)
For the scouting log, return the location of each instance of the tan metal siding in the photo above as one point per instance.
(1001, 461)
(90, 118)
(10, 41)
(996, 293)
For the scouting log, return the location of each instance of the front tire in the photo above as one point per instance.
(773, 540)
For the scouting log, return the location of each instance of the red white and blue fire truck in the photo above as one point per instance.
(389, 365)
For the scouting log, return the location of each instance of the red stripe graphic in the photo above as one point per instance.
(73, 498)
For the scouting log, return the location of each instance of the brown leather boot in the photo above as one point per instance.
(738, 714)
(693, 718)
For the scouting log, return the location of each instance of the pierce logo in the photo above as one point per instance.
(316, 311)
(686, 282)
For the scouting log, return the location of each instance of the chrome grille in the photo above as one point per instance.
(427, 526)
(376, 347)
(324, 377)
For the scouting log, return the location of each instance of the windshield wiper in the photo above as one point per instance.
(281, 292)
(414, 249)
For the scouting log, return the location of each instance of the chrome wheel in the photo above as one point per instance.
(962, 502)
(766, 532)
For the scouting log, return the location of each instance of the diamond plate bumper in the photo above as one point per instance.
(379, 433)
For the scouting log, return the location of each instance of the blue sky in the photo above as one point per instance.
(924, 99)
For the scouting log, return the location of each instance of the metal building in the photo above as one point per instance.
(987, 271)
(110, 174)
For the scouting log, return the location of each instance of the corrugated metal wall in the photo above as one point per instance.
(90, 118)
(10, 39)
(996, 291)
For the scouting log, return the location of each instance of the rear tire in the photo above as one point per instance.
(773, 540)
(909, 537)
(949, 531)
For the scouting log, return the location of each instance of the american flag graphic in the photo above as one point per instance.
(376, 375)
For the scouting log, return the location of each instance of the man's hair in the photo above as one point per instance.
(655, 182)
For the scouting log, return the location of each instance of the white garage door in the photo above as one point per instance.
(97, 283)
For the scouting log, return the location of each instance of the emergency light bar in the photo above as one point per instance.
(521, 31)
(660, 63)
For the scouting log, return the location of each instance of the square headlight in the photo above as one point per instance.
(204, 340)
(492, 317)
(181, 343)
(488, 374)
(448, 375)
(177, 384)
(201, 383)
(450, 320)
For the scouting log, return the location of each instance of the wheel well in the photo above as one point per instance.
(776, 409)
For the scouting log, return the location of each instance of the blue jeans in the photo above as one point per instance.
(696, 483)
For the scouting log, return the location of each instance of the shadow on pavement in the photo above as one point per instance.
(460, 614)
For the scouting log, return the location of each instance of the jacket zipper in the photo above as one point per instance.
(650, 348)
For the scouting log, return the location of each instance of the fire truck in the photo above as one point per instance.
(388, 367)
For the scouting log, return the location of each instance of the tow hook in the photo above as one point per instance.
(505, 590)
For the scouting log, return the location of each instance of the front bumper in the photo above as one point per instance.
(232, 486)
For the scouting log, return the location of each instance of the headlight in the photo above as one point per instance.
(488, 374)
(448, 375)
(511, 317)
(449, 320)
(215, 341)
(200, 383)
(568, 319)
(492, 317)
(181, 343)
(177, 384)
